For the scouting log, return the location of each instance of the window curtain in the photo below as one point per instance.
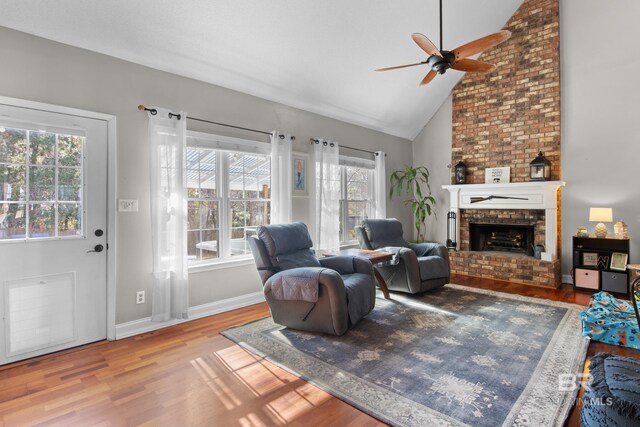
(327, 196)
(380, 186)
(167, 142)
(281, 178)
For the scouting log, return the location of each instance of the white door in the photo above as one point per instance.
(53, 236)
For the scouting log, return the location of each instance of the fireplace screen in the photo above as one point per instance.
(514, 238)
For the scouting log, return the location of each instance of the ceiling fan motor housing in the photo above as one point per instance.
(442, 63)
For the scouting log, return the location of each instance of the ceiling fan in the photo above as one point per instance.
(441, 60)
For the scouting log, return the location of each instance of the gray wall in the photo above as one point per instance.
(432, 148)
(41, 70)
(600, 117)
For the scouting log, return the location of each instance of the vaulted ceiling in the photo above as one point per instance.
(315, 55)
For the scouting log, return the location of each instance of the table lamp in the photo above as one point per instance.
(601, 215)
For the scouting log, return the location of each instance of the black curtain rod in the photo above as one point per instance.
(153, 112)
(313, 140)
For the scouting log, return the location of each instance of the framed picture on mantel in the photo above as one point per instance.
(497, 175)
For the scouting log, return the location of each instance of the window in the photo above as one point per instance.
(357, 194)
(228, 197)
(40, 184)
(203, 224)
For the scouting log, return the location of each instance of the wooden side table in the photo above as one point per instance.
(375, 257)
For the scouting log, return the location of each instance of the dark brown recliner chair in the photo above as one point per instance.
(303, 292)
(419, 267)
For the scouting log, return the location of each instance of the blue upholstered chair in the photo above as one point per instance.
(418, 268)
(303, 292)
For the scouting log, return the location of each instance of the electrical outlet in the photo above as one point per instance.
(140, 297)
(125, 205)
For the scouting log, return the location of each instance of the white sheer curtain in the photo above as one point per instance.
(380, 186)
(281, 178)
(327, 196)
(167, 141)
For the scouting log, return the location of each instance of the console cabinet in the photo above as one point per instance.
(592, 264)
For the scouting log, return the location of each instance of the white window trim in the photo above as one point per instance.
(222, 264)
(357, 162)
(224, 144)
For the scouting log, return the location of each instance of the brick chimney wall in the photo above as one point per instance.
(505, 117)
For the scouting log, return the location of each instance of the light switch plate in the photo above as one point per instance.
(125, 205)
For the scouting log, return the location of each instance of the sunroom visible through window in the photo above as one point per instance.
(41, 181)
(228, 198)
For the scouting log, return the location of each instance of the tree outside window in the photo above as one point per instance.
(40, 184)
(356, 200)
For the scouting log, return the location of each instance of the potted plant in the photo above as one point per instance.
(414, 182)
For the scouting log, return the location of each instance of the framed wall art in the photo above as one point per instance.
(590, 259)
(300, 180)
(497, 175)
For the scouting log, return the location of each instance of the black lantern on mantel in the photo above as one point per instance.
(540, 168)
(460, 176)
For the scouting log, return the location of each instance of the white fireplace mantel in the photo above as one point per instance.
(520, 195)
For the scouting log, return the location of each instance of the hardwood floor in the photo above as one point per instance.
(190, 375)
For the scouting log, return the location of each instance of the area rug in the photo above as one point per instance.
(452, 357)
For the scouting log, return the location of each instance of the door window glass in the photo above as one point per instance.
(41, 183)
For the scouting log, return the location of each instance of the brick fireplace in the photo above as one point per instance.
(531, 206)
(502, 119)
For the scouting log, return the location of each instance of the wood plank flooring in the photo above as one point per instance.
(189, 375)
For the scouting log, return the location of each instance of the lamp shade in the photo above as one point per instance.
(601, 214)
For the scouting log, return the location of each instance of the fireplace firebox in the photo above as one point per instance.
(511, 238)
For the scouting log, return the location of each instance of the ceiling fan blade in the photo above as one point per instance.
(400, 66)
(480, 45)
(425, 44)
(473, 66)
(430, 75)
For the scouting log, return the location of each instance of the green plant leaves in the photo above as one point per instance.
(412, 180)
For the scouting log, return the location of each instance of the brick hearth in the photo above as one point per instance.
(512, 268)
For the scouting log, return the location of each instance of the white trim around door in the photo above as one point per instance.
(111, 191)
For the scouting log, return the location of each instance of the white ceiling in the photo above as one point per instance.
(315, 55)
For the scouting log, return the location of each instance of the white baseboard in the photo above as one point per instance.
(566, 278)
(141, 326)
(228, 304)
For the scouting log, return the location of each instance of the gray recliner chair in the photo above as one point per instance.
(418, 268)
(303, 292)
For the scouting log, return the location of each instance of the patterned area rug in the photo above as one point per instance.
(456, 356)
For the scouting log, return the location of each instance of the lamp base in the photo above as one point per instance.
(601, 230)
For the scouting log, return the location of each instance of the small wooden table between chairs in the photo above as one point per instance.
(375, 257)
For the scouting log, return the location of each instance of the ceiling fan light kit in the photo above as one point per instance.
(441, 64)
(440, 60)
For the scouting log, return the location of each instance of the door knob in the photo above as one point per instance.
(97, 248)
